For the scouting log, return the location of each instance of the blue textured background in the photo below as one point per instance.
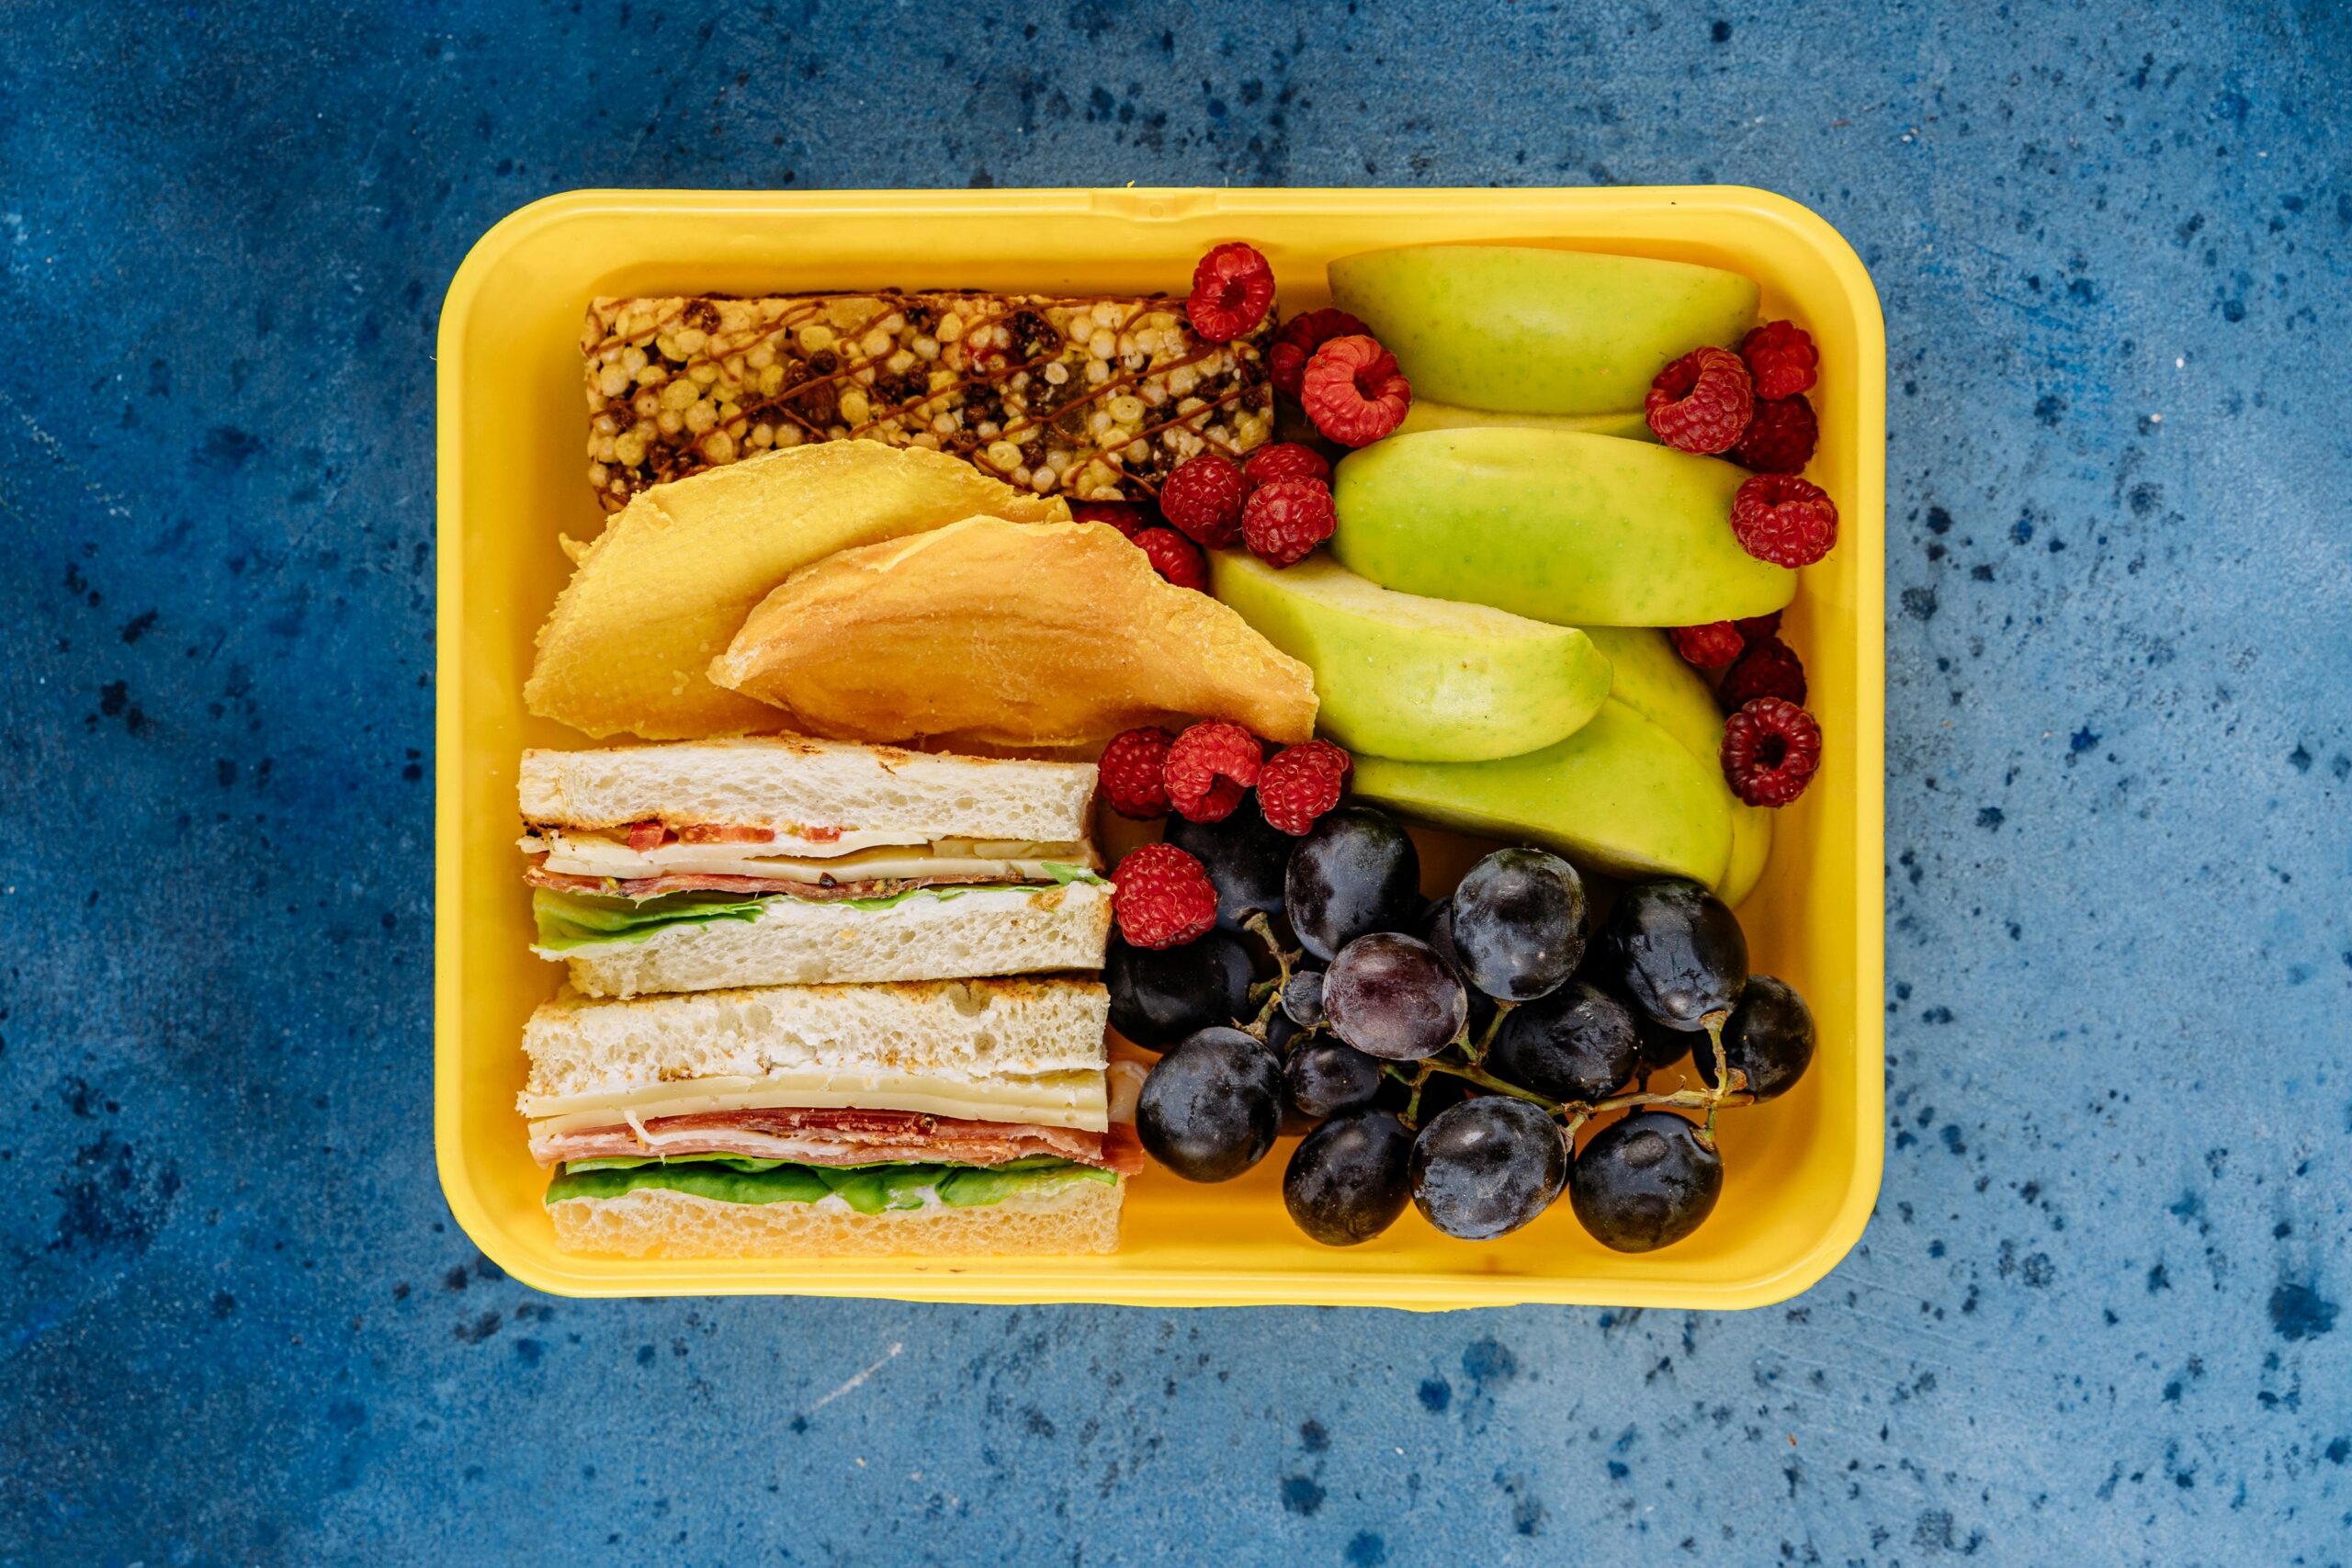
(2097, 1317)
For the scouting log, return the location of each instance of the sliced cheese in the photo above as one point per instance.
(595, 855)
(1048, 1100)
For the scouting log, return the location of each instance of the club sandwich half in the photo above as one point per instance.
(937, 1117)
(701, 864)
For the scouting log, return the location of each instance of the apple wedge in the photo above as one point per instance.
(1420, 679)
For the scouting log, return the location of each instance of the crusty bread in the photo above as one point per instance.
(790, 781)
(1081, 1217)
(994, 931)
(948, 1028)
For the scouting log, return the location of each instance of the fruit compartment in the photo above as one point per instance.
(1802, 1172)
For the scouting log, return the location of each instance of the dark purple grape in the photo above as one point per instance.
(1645, 1182)
(1675, 950)
(1303, 998)
(1246, 857)
(1393, 997)
(1211, 1108)
(1661, 1047)
(1436, 928)
(1577, 1043)
(1347, 1181)
(1355, 872)
(1519, 924)
(1326, 1077)
(1487, 1166)
(1770, 1038)
(1160, 995)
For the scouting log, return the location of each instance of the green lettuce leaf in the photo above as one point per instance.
(579, 920)
(867, 1189)
(1064, 875)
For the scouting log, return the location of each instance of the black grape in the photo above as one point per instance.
(1211, 1108)
(1577, 1043)
(1487, 1166)
(1355, 872)
(1348, 1179)
(1519, 924)
(1675, 950)
(1246, 856)
(1393, 997)
(1326, 1077)
(1160, 996)
(1770, 1038)
(1645, 1182)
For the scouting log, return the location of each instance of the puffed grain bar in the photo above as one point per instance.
(1093, 399)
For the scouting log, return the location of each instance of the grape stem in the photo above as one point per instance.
(1257, 925)
(1573, 1113)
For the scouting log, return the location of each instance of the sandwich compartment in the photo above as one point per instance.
(1802, 1172)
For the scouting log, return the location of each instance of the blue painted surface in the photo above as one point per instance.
(2098, 1317)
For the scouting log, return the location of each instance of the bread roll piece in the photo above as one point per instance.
(796, 942)
(1082, 1217)
(1007, 634)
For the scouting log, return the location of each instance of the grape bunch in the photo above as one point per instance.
(1444, 1055)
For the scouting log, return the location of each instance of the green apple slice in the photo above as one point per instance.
(1420, 679)
(1620, 795)
(1533, 331)
(1577, 529)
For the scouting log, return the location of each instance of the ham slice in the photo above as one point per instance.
(682, 881)
(848, 1136)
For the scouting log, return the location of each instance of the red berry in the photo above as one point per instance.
(1175, 558)
(1162, 896)
(1301, 784)
(1127, 516)
(1232, 290)
(1757, 627)
(1298, 340)
(1285, 460)
(1201, 499)
(1283, 520)
(1782, 359)
(1771, 750)
(1780, 437)
(1131, 772)
(1710, 647)
(1769, 669)
(1209, 769)
(1353, 391)
(1700, 403)
(1782, 519)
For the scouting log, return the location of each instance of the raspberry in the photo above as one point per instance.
(1780, 438)
(1771, 750)
(1127, 516)
(1232, 290)
(1782, 519)
(1700, 403)
(1283, 520)
(1353, 391)
(1163, 898)
(1301, 784)
(1757, 627)
(1769, 669)
(1201, 499)
(1209, 769)
(1132, 770)
(1285, 460)
(1710, 647)
(1175, 558)
(1781, 357)
(1298, 340)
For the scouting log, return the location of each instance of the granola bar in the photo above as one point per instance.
(1093, 399)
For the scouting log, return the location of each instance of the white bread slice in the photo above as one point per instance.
(796, 942)
(1081, 1217)
(787, 782)
(954, 1029)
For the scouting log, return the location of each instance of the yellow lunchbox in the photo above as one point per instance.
(1802, 1172)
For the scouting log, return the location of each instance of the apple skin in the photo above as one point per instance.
(1620, 796)
(1525, 330)
(1654, 680)
(1420, 679)
(1577, 529)
(1427, 413)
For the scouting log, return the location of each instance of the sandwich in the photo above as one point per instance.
(946, 1117)
(783, 861)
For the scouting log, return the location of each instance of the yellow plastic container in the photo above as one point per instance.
(1802, 1172)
